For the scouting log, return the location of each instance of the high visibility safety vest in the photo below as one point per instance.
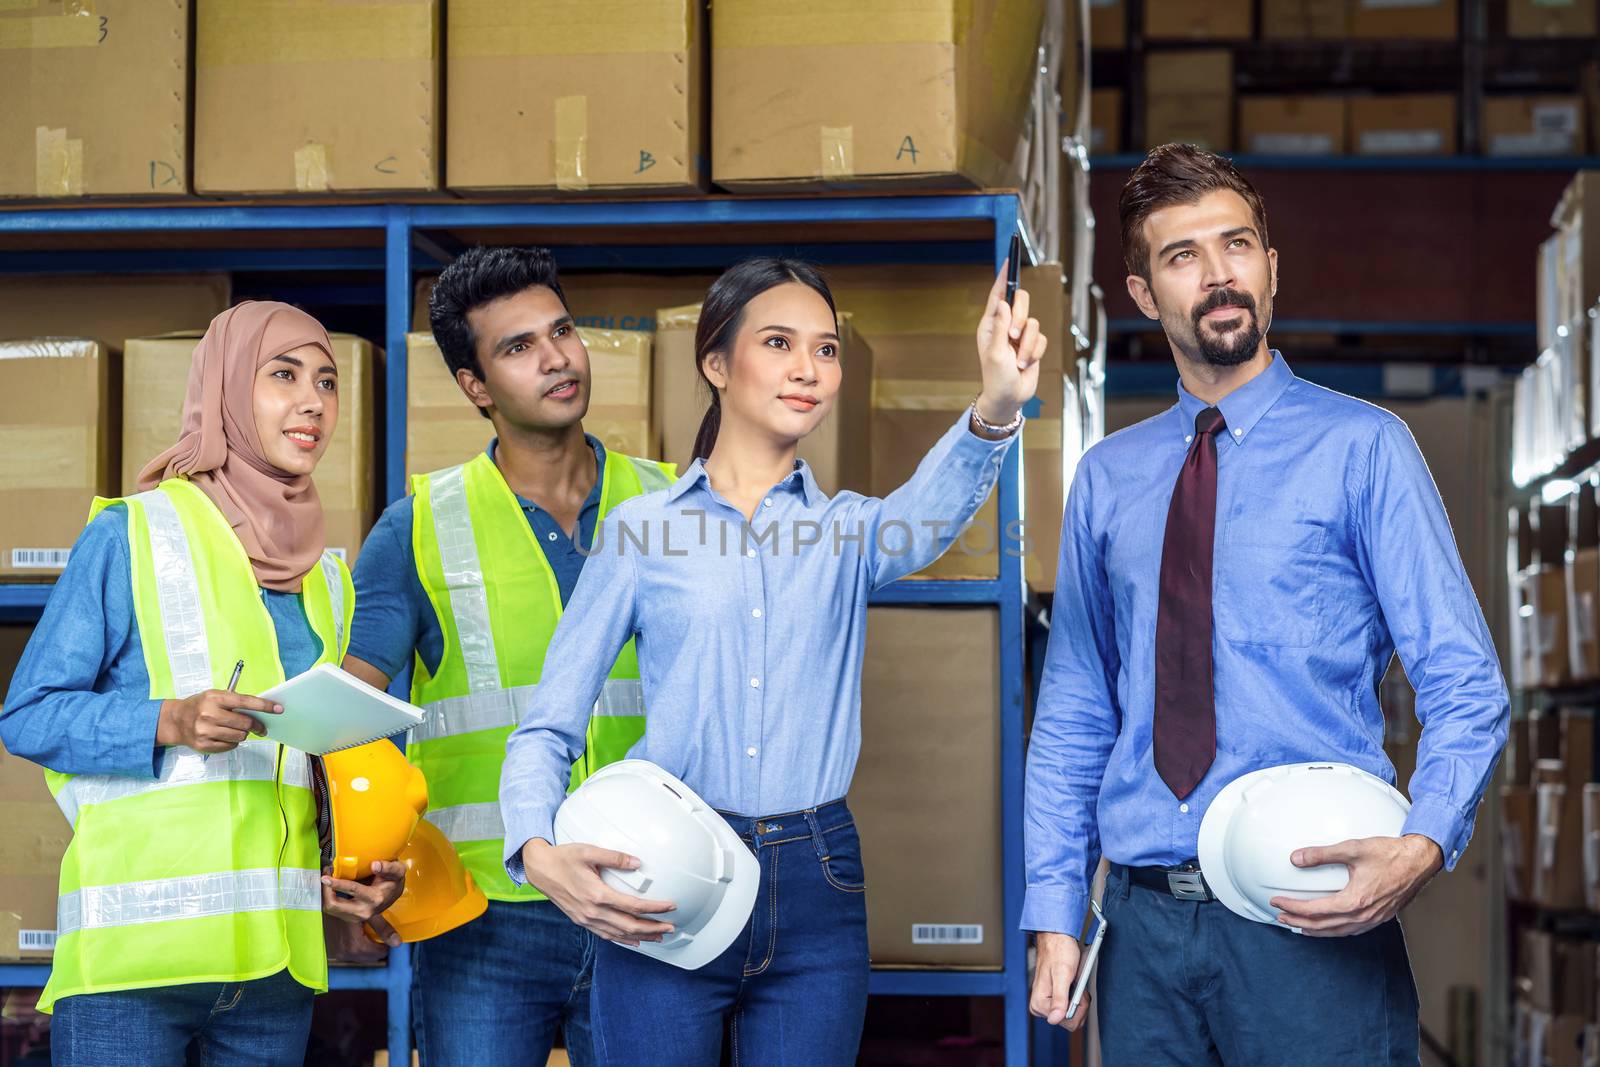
(209, 872)
(498, 603)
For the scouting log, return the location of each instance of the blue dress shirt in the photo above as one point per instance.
(1333, 552)
(80, 698)
(394, 618)
(749, 637)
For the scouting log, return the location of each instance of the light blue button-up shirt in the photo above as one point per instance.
(1333, 551)
(749, 637)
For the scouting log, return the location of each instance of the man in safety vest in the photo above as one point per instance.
(464, 581)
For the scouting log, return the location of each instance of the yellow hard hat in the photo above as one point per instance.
(375, 799)
(440, 894)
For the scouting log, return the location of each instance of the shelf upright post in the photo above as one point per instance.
(397, 320)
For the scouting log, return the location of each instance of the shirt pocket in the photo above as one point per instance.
(1268, 580)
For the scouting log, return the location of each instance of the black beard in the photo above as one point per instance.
(1234, 346)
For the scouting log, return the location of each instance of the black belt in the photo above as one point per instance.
(1183, 881)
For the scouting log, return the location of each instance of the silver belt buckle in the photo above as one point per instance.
(1188, 885)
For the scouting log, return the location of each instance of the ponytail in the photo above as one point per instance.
(706, 439)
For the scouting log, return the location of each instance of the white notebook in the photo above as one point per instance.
(325, 710)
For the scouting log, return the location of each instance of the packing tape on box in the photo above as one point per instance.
(78, 28)
(922, 394)
(780, 24)
(679, 318)
(572, 142)
(299, 31)
(838, 150)
(57, 163)
(311, 168)
(520, 28)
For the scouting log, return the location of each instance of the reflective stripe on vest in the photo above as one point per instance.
(191, 897)
(182, 619)
(252, 761)
(469, 822)
(469, 601)
(497, 708)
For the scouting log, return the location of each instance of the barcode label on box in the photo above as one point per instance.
(1400, 142)
(53, 558)
(946, 934)
(1292, 144)
(36, 940)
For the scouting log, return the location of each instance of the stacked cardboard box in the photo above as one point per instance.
(1558, 863)
(928, 783)
(1578, 248)
(1166, 20)
(935, 94)
(1544, 125)
(110, 308)
(354, 93)
(1293, 125)
(58, 407)
(605, 300)
(97, 99)
(839, 450)
(1417, 19)
(443, 427)
(32, 841)
(1518, 831)
(1551, 18)
(1189, 98)
(154, 374)
(1305, 19)
(1418, 124)
(1105, 122)
(575, 96)
(1108, 24)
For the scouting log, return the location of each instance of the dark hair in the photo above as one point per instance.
(723, 313)
(1177, 174)
(476, 277)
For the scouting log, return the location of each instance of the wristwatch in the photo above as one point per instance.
(1004, 430)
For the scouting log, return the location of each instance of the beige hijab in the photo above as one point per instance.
(276, 515)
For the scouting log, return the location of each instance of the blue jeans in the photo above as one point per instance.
(792, 988)
(263, 1023)
(1192, 984)
(498, 989)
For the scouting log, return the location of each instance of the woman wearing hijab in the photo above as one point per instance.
(190, 893)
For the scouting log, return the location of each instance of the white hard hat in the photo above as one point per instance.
(1259, 819)
(688, 854)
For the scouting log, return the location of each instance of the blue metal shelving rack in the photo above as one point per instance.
(400, 239)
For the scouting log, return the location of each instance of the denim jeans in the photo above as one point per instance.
(792, 988)
(1191, 984)
(498, 989)
(262, 1023)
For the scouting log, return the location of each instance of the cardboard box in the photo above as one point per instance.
(1578, 254)
(935, 95)
(839, 450)
(1189, 98)
(1559, 983)
(1518, 834)
(110, 308)
(97, 99)
(1305, 19)
(1583, 593)
(1558, 845)
(1563, 1045)
(1550, 615)
(928, 783)
(32, 841)
(575, 96)
(1108, 24)
(1105, 122)
(1185, 20)
(1421, 124)
(605, 300)
(1551, 18)
(443, 428)
(1518, 757)
(1548, 294)
(920, 322)
(1415, 19)
(353, 88)
(1044, 437)
(1591, 845)
(155, 374)
(1543, 125)
(1293, 125)
(57, 404)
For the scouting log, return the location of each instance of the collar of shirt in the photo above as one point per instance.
(800, 480)
(591, 501)
(1243, 407)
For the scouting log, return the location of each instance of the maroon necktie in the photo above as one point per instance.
(1185, 730)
